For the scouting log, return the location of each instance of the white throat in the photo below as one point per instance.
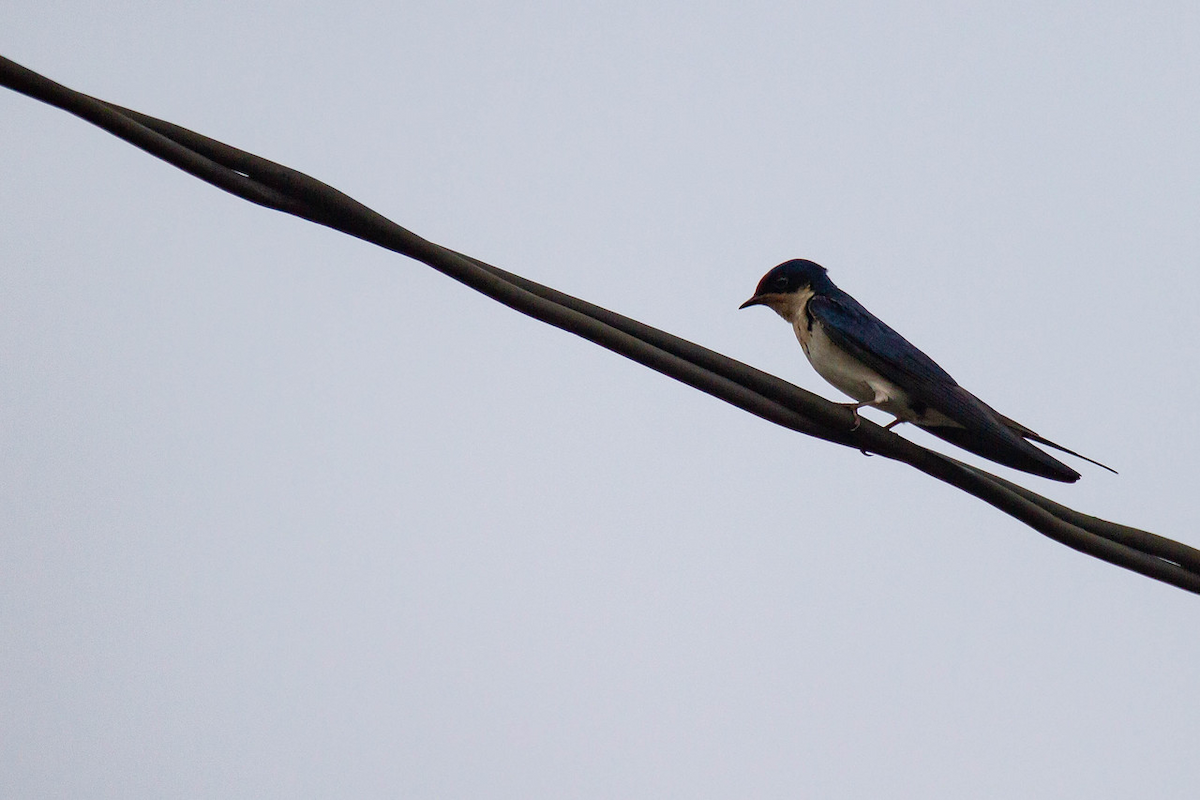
(793, 308)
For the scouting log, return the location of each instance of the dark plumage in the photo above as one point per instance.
(860, 355)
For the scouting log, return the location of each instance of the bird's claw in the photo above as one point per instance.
(857, 423)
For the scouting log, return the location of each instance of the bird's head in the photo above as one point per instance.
(787, 287)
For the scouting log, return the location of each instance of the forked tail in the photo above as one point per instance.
(1024, 432)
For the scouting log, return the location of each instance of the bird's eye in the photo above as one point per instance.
(781, 282)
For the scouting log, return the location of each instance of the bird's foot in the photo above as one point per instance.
(887, 427)
(854, 407)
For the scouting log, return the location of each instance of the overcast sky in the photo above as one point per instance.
(285, 515)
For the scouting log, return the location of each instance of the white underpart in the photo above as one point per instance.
(832, 363)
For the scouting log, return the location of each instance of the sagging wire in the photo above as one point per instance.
(275, 186)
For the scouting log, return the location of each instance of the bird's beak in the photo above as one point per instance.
(757, 300)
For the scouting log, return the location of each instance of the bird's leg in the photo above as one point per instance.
(887, 427)
(880, 397)
(854, 407)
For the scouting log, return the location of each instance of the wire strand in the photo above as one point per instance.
(278, 187)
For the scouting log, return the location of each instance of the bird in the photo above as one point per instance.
(862, 357)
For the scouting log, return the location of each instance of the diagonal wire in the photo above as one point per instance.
(275, 186)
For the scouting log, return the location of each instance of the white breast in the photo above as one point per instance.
(849, 375)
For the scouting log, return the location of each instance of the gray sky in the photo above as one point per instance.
(285, 515)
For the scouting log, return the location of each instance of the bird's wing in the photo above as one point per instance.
(865, 337)
(983, 431)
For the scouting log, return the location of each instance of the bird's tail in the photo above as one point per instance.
(1025, 433)
(1004, 446)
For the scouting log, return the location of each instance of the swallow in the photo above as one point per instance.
(862, 357)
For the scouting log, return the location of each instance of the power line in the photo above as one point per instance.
(279, 187)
